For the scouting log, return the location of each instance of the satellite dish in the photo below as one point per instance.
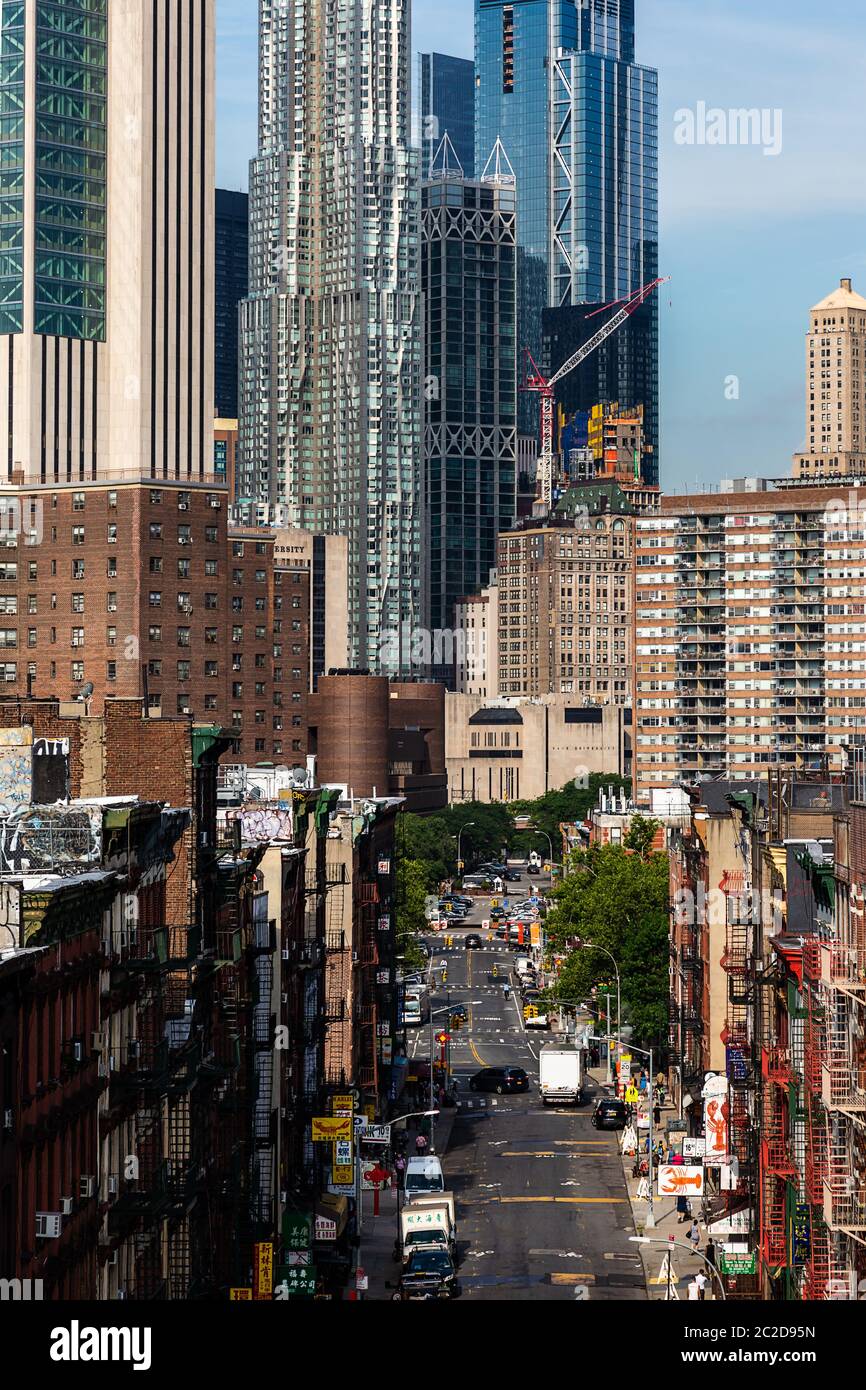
(86, 691)
(298, 776)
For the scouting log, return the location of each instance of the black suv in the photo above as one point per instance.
(500, 1080)
(473, 941)
(610, 1114)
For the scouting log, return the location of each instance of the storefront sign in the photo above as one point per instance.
(716, 1111)
(738, 1264)
(263, 1269)
(680, 1180)
(694, 1148)
(325, 1229)
(240, 1295)
(299, 1280)
(375, 1134)
(327, 1128)
(297, 1230)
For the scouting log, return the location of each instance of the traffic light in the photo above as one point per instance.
(530, 1011)
(455, 1023)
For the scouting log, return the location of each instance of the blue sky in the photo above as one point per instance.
(751, 241)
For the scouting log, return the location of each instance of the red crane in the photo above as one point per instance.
(544, 386)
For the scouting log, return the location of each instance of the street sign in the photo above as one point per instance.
(296, 1230)
(739, 1264)
(694, 1148)
(327, 1128)
(295, 1280)
(375, 1134)
(680, 1180)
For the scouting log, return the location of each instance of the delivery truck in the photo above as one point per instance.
(428, 1221)
(561, 1074)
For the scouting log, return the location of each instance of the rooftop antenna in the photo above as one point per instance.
(498, 167)
(445, 163)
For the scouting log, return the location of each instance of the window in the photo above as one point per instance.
(183, 569)
(32, 569)
(155, 497)
(237, 634)
(184, 535)
(111, 670)
(78, 501)
(77, 569)
(112, 500)
(210, 569)
(78, 637)
(183, 705)
(156, 564)
(211, 601)
(31, 636)
(237, 578)
(278, 745)
(260, 605)
(32, 605)
(111, 601)
(78, 603)
(237, 718)
(261, 548)
(78, 535)
(260, 660)
(210, 534)
(112, 533)
(210, 701)
(111, 636)
(183, 636)
(237, 603)
(261, 577)
(260, 687)
(260, 745)
(154, 668)
(183, 501)
(238, 549)
(154, 701)
(184, 602)
(211, 635)
(111, 569)
(278, 722)
(155, 598)
(78, 670)
(237, 690)
(155, 531)
(211, 668)
(154, 634)
(8, 603)
(183, 670)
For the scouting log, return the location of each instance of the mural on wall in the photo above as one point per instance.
(49, 839)
(16, 773)
(262, 823)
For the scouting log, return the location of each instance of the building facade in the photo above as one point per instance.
(446, 91)
(330, 385)
(835, 388)
(749, 611)
(470, 437)
(231, 281)
(106, 350)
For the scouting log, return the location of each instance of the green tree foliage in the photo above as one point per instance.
(571, 803)
(411, 901)
(428, 841)
(640, 835)
(619, 900)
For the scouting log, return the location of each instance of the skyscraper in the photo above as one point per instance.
(106, 274)
(231, 283)
(578, 117)
(330, 392)
(469, 283)
(447, 106)
(835, 388)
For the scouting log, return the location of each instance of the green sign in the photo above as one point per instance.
(739, 1264)
(295, 1280)
(297, 1230)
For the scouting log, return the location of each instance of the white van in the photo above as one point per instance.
(423, 1176)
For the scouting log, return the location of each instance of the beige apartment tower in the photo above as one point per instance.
(107, 174)
(835, 389)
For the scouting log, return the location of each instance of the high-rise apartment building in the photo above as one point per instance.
(558, 82)
(446, 107)
(330, 385)
(469, 283)
(106, 174)
(749, 642)
(835, 388)
(231, 282)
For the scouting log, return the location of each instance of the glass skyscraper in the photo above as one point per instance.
(231, 256)
(469, 281)
(578, 117)
(330, 339)
(447, 105)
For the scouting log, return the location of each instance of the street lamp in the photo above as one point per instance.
(459, 837)
(538, 831)
(670, 1243)
(591, 946)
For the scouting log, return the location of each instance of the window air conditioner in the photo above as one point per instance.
(66, 1206)
(86, 1187)
(48, 1225)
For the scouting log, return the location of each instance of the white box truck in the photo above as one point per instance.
(561, 1074)
(428, 1221)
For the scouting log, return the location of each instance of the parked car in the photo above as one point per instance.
(473, 941)
(512, 876)
(500, 1080)
(610, 1113)
(497, 914)
(423, 1175)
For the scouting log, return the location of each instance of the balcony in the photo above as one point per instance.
(844, 967)
(840, 1089)
(844, 1210)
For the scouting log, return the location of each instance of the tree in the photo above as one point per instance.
(429, 841)
(570, 804)
(620, 901)
(640, 835)
(411, 904)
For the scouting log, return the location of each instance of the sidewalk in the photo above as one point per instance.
(685, 1262)
(379, 1233)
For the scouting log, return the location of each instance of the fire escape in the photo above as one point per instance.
(338, 979)
(738, 963)
(368, 959)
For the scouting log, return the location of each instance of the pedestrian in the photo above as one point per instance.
(682, 1208)
(710, 1253)
(694, 1291)
(694, 1236)
(657, 1115)
(400, 1165)
(643, 1189)
(701, 1281)
(420, 1144)
(642, 1083)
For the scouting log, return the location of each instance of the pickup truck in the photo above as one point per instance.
(430, 1273)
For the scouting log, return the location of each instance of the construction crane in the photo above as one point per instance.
(544, 386)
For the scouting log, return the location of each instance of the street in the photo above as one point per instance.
(542, 1206)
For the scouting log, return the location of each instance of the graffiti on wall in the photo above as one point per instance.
(15, 769)
(47, 839)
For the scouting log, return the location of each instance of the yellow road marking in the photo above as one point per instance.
(574, 1201)
(571, 1278)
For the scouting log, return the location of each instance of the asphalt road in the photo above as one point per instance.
(542, 1206)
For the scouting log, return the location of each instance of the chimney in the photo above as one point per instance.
(846, 284)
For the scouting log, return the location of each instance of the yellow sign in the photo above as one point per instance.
(342, 1163)
(494, 902)
(632, 1095)
(535, 933)
(263, 1269)
(343, 1105)
(240, 1295)
(326, 1128)
(370, 1112)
